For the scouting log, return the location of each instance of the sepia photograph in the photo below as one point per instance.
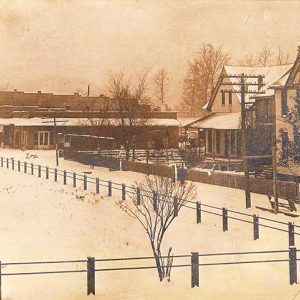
(149, 149)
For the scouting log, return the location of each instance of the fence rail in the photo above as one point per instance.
(138, 194)
(194, 263)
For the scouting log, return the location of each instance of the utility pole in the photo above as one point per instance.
(274, 162)
(245, 143)
(243, 91)
(55, 121)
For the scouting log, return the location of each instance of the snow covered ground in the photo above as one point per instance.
(44, 220)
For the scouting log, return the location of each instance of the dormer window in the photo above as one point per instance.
(230, 98)
(223, 98)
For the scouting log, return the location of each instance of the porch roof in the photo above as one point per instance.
(220, 121)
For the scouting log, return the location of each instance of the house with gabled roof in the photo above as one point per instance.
(222, 121)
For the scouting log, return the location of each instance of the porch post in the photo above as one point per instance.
(229, 144)
(213, 143)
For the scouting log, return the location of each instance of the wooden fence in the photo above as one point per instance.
(286, 190)
(91, 268)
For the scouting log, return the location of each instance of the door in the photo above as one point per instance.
(43, 140)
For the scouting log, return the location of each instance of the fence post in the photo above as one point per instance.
(123, 191)
(39, 170)
(195, 269)
(175, 203)
(293, 265)
(25, 167)
(91, 275)
(47, 172)
(138, 196)
(74, 179)
(97, 185)
(19, 166)
(65, 177)
(7, 163)
(198, 212)
(1, 162)
(155, 201)
(109, 188)
(255, 227)
(291, 234)
(225, 219)
(12, 164)
(32, 167)
(55, 174)
(85, 182)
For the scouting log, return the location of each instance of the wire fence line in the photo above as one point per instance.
(254, 220)
(194, 263)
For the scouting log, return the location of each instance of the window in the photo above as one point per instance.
(218, 141)
(283, 102)
(209, 140)
(41, 138)
(46, 138)
(223, 98)
(230, 98)
(51, 138)
(36, 138)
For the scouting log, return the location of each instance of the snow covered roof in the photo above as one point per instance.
(186, 121)
(271, 75)
(80, 121)
(220, 121)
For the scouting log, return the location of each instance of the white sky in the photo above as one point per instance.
(59, 46)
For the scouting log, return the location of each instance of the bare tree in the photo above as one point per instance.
(248, 61)
(157, 210)
(130, 104)
(161, 82)
(264, 57)
(282, 58)
(202, 75)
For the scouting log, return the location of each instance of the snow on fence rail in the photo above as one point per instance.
(198, 207)
(196, 261)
